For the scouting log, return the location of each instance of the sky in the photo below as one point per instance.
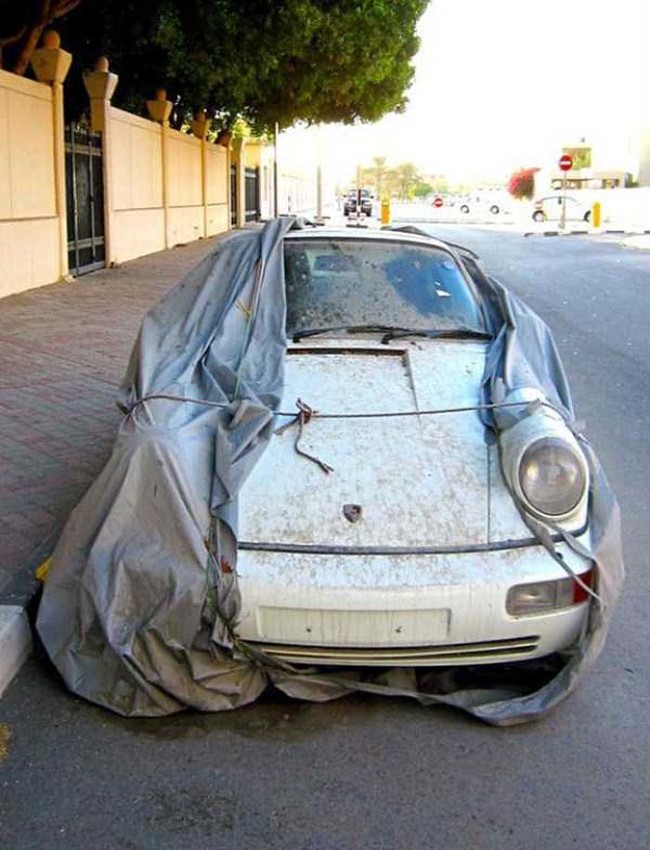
(502, 84)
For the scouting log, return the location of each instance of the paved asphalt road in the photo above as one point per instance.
(363, 772)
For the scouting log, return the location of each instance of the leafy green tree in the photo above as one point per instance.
(422, 190)
(440, 184)
(375, 174)
(263, 60)
(403, 178)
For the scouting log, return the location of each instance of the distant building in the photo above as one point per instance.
(644, 159)
(587, 178)
(597, 166)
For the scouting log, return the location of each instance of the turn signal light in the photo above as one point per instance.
(541, 596)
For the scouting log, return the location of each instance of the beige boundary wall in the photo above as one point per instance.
(161, 187)
(167, 187)
(29, 217)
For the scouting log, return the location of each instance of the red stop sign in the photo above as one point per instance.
(437, 202)
(566, 162)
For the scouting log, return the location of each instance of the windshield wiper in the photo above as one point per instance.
(353, 329)
(450, 333)
(392, 332)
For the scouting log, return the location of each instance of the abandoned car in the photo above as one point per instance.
(412, 550)
(346, 456)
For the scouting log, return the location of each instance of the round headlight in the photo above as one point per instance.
(552, 476)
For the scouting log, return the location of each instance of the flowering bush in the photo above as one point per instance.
(522, 183)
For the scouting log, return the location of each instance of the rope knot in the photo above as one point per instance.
(304, 416)
(306, 413)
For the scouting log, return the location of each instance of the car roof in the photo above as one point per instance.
(360, 234)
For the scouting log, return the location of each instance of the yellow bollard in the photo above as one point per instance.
(595, 214)
(385, 211)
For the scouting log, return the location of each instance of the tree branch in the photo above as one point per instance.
(62, 7)
(26, 46)
(10, 39)
(27, 41)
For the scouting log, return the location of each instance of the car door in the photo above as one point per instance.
(553, 208)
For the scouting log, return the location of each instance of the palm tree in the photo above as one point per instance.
(404, 177)
(375, 174)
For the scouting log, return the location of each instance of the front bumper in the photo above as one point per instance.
(402, 610)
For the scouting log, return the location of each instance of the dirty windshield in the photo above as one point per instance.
(339, 283)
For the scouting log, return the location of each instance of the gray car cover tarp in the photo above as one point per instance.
(139, 610)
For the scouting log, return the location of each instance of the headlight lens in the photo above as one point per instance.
(552, 476)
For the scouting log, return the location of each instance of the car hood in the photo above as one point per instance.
(412, 481)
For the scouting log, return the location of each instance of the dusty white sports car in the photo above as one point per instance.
(344, 454)
(389, 528)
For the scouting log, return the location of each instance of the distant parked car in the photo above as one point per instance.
(479, 204)
(350, 203)
(550, 209)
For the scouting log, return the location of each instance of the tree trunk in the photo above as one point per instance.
(26, 47)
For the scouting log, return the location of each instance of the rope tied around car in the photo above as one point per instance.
(304, 416)
(306, 413)
(527, 406)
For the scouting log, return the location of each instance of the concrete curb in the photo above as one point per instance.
(15, 601)
(639, 241)
(15, 642)
(514, 227)
(599, 232)
(558, 233)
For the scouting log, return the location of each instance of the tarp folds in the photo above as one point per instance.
(139, 611)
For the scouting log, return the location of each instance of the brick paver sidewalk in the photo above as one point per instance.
(63, 352)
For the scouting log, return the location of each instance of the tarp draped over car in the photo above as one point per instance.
(139, 611)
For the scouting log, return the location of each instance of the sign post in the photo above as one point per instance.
(319, 175)
(566, 164)
(276, 130)
(357, 194)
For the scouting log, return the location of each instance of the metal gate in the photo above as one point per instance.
(253, 212)
(233, 195)
(85, 199)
